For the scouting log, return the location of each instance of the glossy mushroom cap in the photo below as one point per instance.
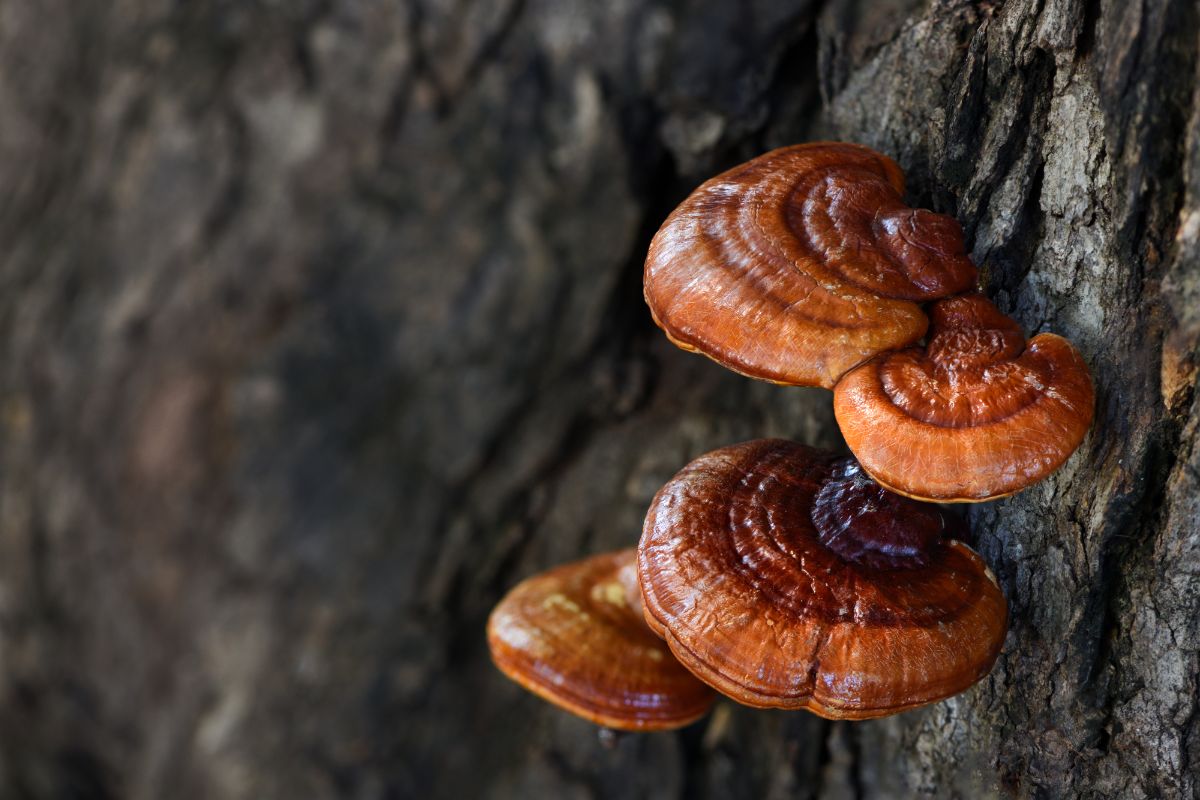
(785, 577)
(801, 264)
(576, 636)
(977, 414)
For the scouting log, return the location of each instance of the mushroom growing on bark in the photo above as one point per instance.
(576, 636)
(785, 577)
(976, 414)
(801, 264)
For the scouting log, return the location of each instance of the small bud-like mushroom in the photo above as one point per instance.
(977, 414)
(576, 636)
(801, 264)
(784, 577)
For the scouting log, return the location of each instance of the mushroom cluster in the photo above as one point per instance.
(784, 576)
(804, 267)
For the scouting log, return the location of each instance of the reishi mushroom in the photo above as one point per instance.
(576, 636)
(975, 415)
(801, 264)
(784, 577)
(789, 577)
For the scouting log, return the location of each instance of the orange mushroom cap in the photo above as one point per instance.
(977, 414)
(576, 636)
(802, 263)
(784, 577)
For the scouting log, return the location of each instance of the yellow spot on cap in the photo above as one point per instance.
(560, 600)
(612, 592)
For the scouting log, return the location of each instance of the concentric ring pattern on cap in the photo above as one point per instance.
(576, 636)
(737, 579)
(977, 414)
(802, 263)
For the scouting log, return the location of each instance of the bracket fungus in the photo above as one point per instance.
(801, 264)
(576, 636)
(784, 577)
(975, 415)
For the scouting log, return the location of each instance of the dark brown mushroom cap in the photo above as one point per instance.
(576, 636)
(784, 577)
(975, 415)
(802, 263)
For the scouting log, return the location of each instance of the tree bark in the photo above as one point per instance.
(322, 326)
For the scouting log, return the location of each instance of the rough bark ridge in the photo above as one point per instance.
(321, 326)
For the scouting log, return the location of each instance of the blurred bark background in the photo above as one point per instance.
(321, 326)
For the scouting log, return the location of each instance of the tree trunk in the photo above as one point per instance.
(322, 326)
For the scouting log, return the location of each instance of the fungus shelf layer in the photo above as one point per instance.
(576, 636)
(784, 577)
(802, 263)
(975, 415)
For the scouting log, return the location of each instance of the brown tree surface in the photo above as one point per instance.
(322, 327)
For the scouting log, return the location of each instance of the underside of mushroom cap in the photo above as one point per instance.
(784, 577)
(975, 415)
(802, 263)
(576, 636)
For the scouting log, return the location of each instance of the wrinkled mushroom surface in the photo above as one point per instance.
(802, 263)
(975, 415)
(576, 636)
(784, 577)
